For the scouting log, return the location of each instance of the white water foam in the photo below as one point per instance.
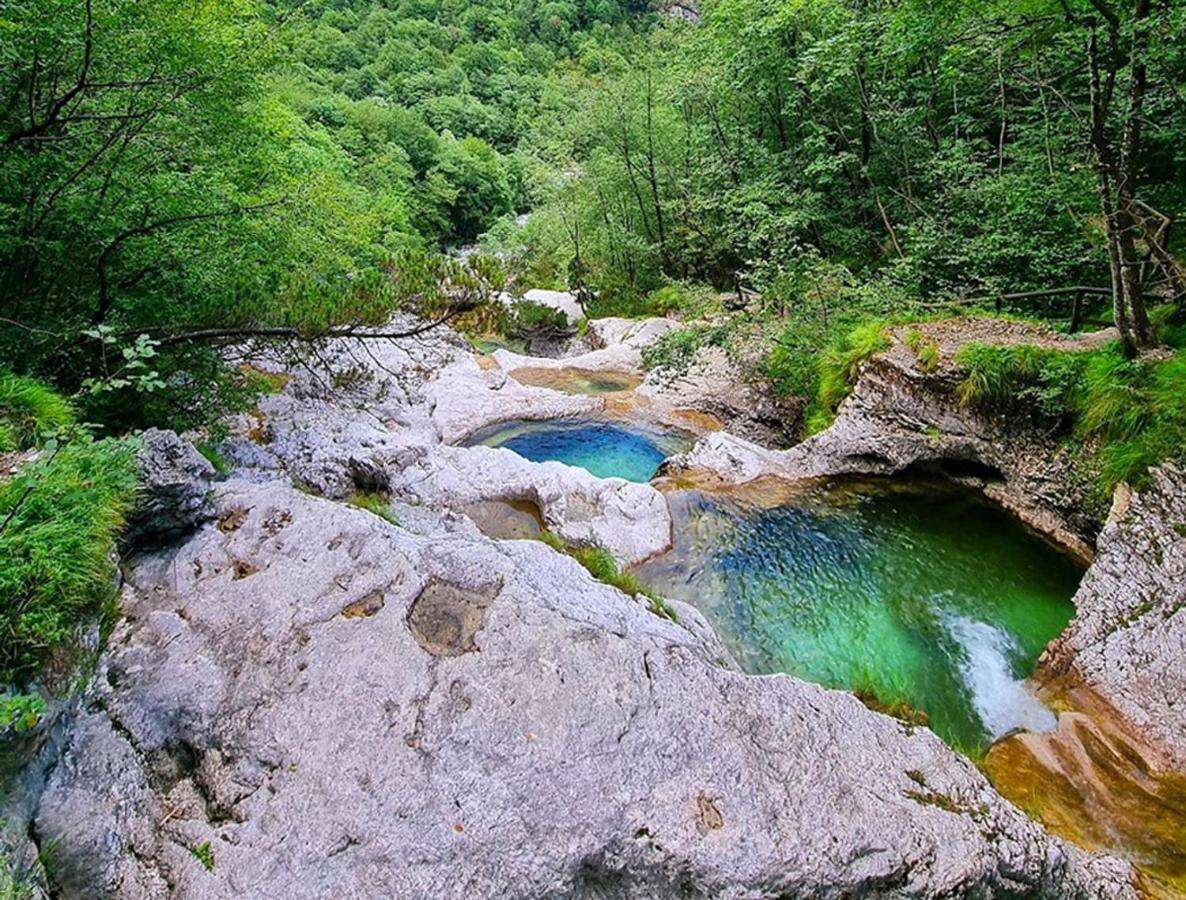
(1000, 700)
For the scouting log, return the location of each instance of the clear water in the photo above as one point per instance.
(577, 381)
(606, 449)
(919, 593)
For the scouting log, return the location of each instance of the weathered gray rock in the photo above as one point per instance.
(341, 708)
(714, 386)
(375, 415)
(174, 483)
(1127, 642)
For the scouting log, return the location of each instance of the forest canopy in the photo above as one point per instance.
(170, 168)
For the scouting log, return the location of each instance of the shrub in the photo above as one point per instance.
(528, 321)
(672, 354)
(626, 301)
(20, 712)
(58, 522)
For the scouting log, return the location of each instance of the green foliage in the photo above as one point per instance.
(29, 411)
(690, 300)
(246, 164)
(1152, 430)
(526, 320)
(20, 712)
(376, 503)
(60, 516)
(674, 351)
(1130, 414)
(204, 854)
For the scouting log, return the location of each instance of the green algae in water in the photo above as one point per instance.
(920, 593)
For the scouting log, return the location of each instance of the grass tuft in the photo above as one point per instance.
(1129, 415)
(601, 564)
(204, 854)
(59, 518)
(374, 502)
(29, 411)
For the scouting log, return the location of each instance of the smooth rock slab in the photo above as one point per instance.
(579, 746)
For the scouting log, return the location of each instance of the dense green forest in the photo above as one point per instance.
(174, 175)
(169, 168)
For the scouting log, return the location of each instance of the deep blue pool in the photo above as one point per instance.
(606, 449)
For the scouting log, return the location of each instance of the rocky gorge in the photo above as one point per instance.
(309, 699)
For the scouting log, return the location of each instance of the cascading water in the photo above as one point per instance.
(986, 661)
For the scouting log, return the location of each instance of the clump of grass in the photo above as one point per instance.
(221, 464)
(840, 363)
(601, 564)
(995, 374)
(28, 411)
(59, 519)
(837, 369)
(256, 381)
(928, 356)
(204, 854)
(16, 882)
(374, 502)
(1129, 414)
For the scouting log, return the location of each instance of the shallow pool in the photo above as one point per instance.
(922, 593)
(606, 449)
(577, 381)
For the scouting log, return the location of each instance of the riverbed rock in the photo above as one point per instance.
(382, 417)
(304, 700)
(714, 386)
(1127, 642)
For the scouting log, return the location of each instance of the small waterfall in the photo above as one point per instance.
(1000, 699)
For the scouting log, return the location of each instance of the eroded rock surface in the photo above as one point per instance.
(377, 416)
(174, 483)
(713, 386)
(1127, 642)
(527, 733)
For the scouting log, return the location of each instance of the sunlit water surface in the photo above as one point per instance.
(916, 592)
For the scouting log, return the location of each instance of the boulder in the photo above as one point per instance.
(174, 486)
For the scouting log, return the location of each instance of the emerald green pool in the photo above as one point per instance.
(914, 592)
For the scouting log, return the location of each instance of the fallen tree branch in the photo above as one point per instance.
(343, 331)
